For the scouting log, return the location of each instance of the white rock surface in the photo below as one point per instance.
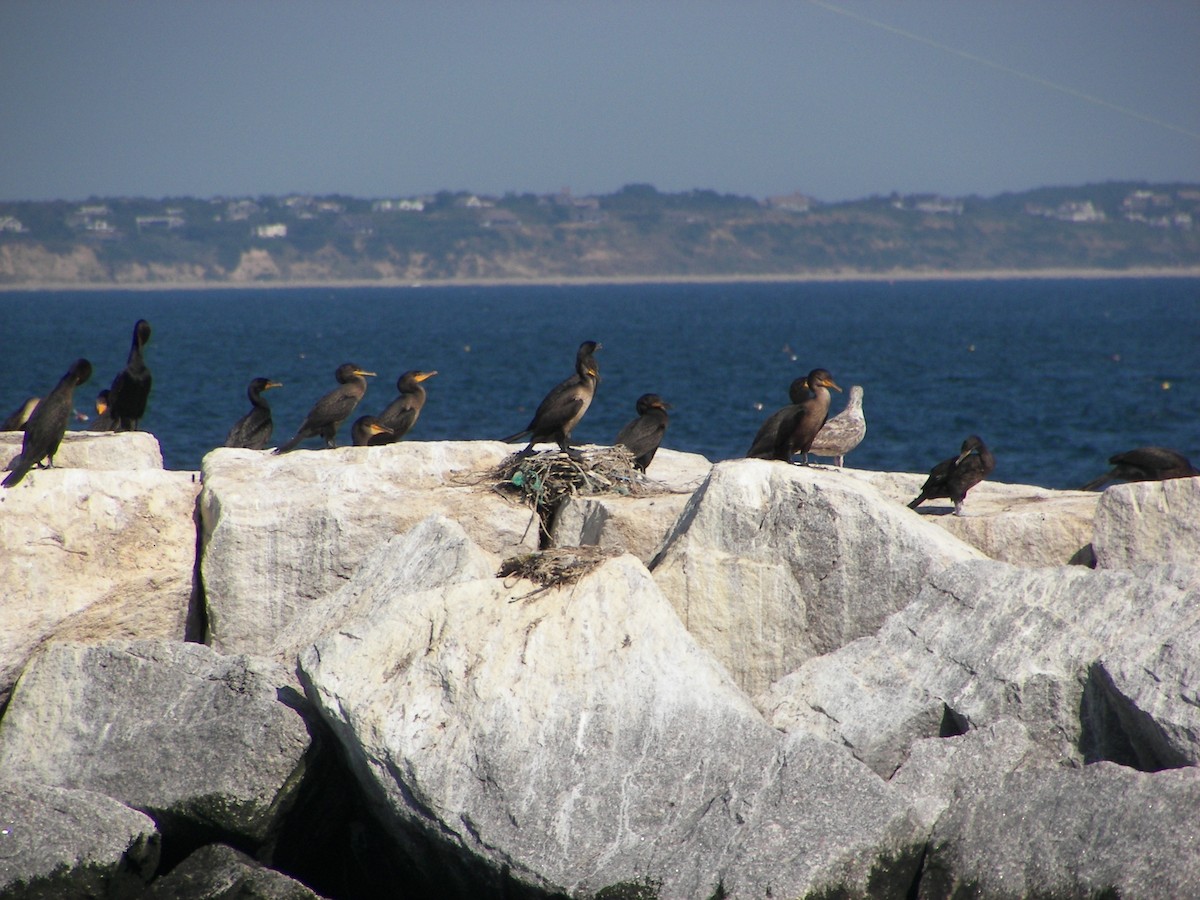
(636, 525)
(92, 450)
(435, 553)
(1096, 665)
(1148, 522)
(1014, 523)
(280, 532)
(772, 564)
(94, 555)
(578, 738)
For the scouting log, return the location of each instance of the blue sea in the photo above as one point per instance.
(1056, 375)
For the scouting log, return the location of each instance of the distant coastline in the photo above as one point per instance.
(906, 275)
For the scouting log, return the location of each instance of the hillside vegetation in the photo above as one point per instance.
(636, 232)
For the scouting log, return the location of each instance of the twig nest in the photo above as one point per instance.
(557, 566)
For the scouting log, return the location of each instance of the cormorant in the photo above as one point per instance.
(365, 428)
(253, 430)
(334, 408)
(1145, 464)
(16, 422)
(131, 388)
(763, 446)
(953, 477)
(104, 419)
(793, 428)
(401, 414)
(643, 435)
(45, 429)
(843, 432)
(562, 408)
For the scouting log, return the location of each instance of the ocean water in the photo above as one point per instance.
(1056, 375)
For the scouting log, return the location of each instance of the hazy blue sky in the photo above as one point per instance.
(838, 99)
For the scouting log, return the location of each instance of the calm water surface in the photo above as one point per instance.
(1056, 375)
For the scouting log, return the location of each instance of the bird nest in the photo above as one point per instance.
(546, 480)
(555, 567)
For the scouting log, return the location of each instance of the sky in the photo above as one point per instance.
(836, 99)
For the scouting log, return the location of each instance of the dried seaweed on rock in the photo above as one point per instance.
(555, 567)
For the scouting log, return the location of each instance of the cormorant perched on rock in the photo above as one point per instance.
(131, 388)
(45, 429)
(763, 446)
(560, 411)
(104, 419)
(253, 430)
(365, 428)
(402, 413)
(955, 476)
(643, 435)
(20, 415)
(1145, 464)
(791, 430)
(843, 432)
(333, 409)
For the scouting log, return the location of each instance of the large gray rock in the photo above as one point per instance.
(577, 738)
(60, 844)
(92, 450)
(172, 729)
(279, 532)
(772, 564)
(94, 555)
(434, 553)
(1097, 665)
(1103, 831)
(1148, 522)
(636, 525)
(1014, 523)
(940, 770)
(217, 872)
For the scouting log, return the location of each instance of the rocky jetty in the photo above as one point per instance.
(377, 672)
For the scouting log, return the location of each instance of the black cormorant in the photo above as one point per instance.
(131, 388)
(791, 430)
(253, 430)
(334, 408)
(365, 428)
(953, 477)
(1145, 464)
(402, 413)
(104, 419)
(45, 429)
(763, 446)
(843, 432)
(20, 415)
(560, 411)
(643, 435)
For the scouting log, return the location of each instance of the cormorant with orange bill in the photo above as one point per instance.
(763, 446)
(45, 429)
(1145, 464)
(643, 435)
(402, 413)
(365, 428)
(131, 388)
(324, 419)
(798, 424)
(253, 430)
(104, 419)
(562, 408)
(953, 477)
